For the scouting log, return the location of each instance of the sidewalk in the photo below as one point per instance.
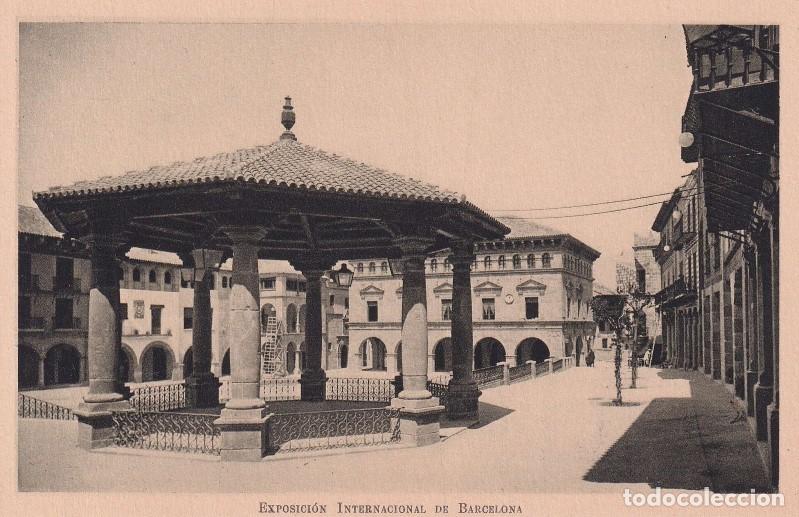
(554, 434)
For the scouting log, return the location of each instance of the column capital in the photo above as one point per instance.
(414, 245)
(244, 234)
(313, 264)
(116, 244)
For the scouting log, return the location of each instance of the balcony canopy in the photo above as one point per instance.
(306, 200)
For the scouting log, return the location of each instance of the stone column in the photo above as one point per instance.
(463, 391)
(773, 409)
(243, 420)
(764, 388)
(202, 387)
(40, 380)
(107, 392)
(420, 412)
(313, 378)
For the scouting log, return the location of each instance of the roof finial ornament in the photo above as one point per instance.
(287, 119)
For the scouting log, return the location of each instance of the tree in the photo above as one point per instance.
(608, 309)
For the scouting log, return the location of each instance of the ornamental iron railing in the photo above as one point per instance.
(158, 397)
(541, 368)
(518, 373)
(178, 432)
(439, 390)
(557, 364)
(488, 376)
(30, 407)
(359, 389)
(293, 432)
(281, 388)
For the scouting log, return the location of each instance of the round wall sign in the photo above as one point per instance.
(508, 298)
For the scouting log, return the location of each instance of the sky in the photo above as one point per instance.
(511, 116)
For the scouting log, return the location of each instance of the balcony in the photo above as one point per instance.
(32, 323)
(730, 56)
(67, 324)
(681, 236)
(663, 250)
(674, 295)
(67, 285)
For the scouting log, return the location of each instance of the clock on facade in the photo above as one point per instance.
(508, 299)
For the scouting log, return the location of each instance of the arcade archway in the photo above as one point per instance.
(488, 352)
(531, 349)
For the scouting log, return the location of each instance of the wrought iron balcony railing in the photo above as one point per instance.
(682, 236)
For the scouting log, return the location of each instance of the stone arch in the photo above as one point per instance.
(301, 319)
(127, 364)
(27, 367)
(291, 318)
(531, 349)
(488, 352)
(442, 355)
(578, 349)
(373, 354)
(157, 361)
(291, 357)
(398, 351)
(62, 365)
(343, 355)
(188, 363)
(225, 368)
(267, 310)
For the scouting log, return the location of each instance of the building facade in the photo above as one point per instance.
(719, 249)
(648, 280)
(156, 309)
(531, 296)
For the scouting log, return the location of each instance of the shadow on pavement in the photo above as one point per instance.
(686, 443)
(490, 413)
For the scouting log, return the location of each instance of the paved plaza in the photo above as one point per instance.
(558, 433)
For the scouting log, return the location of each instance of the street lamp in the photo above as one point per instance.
(343, 277)
(686, 139)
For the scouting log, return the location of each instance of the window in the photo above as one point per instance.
(447, 265)
(360, 268)
(224, 282)
(568, 307)
(546, 260)
(267, 283)
(384, 268)
(530, 261)
(372, 267)
(446, 310)
(63, 313)
(152, 278)
(332, 300)
(487, 263)
(517, 262)
(123, 311)
(136, 275)
(292, 284)
(302, 286)
(371, 310)
(604, 342)
(188, 317)
(531, 307)
(489, 310)
(501, 262)
(167, 278)
(433, 265)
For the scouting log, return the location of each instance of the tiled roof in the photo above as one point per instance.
(284, 163)
(32, 221)
(147, 255)
(522, 227)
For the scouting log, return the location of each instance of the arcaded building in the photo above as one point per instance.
(531, 296)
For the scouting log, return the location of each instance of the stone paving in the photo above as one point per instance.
(558, 434)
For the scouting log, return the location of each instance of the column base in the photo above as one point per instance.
(244, 434)
(95, 423)
(763, 397)
(312, 387)
(774, 444)
(202, 391)
(751, 380)
(463, 401)
(419, 420)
